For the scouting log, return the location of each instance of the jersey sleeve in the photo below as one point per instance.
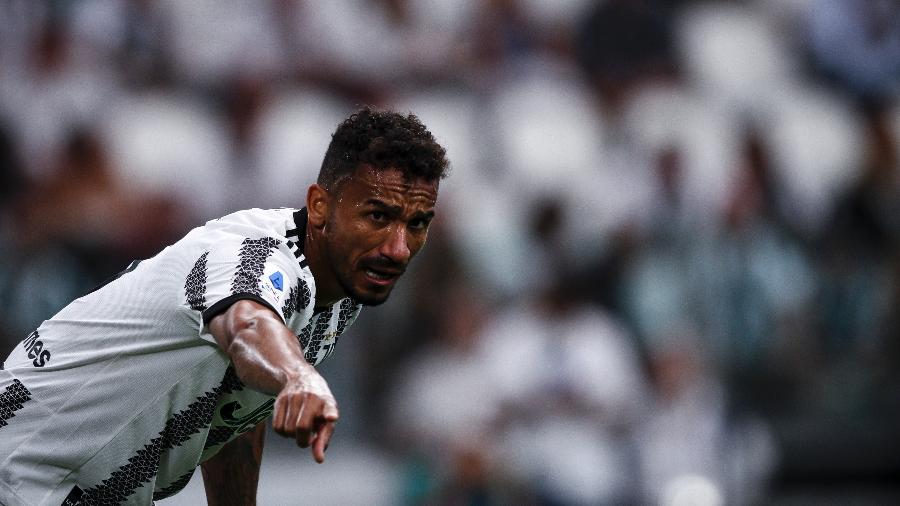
(262, 270)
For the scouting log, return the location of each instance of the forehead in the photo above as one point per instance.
(389, 185)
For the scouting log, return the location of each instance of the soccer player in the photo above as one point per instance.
(179, 360)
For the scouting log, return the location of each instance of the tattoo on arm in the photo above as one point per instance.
(231, 476)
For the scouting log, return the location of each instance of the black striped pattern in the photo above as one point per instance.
(174, 487)
(195, 284)
(12, 399)
(253, 255)
(218, 435)
(299, 232)
(312, 335)
(144, 465)
(298, 298)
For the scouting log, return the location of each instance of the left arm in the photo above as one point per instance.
(230, 477)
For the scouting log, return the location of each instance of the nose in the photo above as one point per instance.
(396, 247)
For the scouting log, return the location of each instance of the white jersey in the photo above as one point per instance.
(118, 397)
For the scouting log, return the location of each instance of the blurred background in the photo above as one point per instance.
(666, 267)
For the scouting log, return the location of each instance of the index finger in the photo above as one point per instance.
(321, 443)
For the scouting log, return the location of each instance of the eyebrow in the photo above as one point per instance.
(384, 206)
(396, 210)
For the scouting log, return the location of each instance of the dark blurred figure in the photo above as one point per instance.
(145, 53)
(12, 185)
(623, 43)
(244, 102)
(860, 245)
(12, 174)
(77, 227)
(838, 421)
(403, 330)
(856, 43)
(762, 283)
(504, 34)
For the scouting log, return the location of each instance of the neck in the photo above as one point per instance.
(328, 290)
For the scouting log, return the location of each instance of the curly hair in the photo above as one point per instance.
(384, 140)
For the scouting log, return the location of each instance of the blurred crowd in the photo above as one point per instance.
(666, 267)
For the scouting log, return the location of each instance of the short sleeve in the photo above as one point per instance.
(261, 269)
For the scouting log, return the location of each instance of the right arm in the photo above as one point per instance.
(268, 358)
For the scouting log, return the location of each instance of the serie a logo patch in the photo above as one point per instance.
(277, 279)
(274, 284)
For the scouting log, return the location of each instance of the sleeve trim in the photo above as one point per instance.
(223, 305)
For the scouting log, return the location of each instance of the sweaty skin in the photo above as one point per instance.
(230, 477)
(267, 358)
(361, 235)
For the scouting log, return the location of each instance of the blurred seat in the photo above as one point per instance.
(817, 146)
(733, 54)
(211, 38)
(293, 134)
(170, 144)
(548, 130)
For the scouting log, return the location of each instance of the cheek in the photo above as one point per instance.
(417, 242)
(357, 239)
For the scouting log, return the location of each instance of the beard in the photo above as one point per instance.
(344, 275)
(358, 296)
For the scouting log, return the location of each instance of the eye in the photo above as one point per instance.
(419, 224)
(377, 216)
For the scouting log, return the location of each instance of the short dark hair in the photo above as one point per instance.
(382, 139)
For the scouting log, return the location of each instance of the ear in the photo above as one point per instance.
(317, 200)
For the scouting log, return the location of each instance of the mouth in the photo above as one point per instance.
(381, 277)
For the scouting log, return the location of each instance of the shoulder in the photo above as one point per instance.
(255, 222)
(246, 234)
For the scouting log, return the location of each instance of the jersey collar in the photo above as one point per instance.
(297, 237)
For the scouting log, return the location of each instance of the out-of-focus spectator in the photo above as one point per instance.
(863, 233)
(12, 186)
(444, 406)
(603, 137)
(145, 54)
(755, 279)
(696, 443)
(624, 43)
(76, 228)
(12, 173)
(571, 389)
(60, 87)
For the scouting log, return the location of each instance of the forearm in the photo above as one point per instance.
(268, 358)
(231, 476)
(265, 353)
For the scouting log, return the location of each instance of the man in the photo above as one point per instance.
(179, 360)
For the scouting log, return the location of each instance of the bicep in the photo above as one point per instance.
(240, 315)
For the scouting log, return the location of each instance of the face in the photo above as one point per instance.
(377, 222)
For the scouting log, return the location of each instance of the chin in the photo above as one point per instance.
(370, 299)
(366, 297)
